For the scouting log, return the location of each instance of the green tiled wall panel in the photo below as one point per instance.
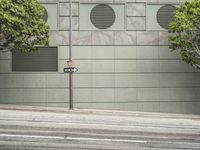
(34, 80)
(119, 52)
(57, 95)
(34, 95)
(137, 80)
(5, 55)
(11, 95)
(5, 66)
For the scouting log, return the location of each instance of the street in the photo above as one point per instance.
(37, 128)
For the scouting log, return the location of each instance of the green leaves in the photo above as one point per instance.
(22, 25)
(185, 32)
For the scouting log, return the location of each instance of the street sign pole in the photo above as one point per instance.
(70, 58)
(70, 68)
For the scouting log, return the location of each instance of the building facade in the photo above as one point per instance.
(121, 50)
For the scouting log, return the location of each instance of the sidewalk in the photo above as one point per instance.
(30, 128)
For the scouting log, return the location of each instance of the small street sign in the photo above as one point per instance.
(70, 69)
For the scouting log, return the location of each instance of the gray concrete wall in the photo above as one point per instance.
(130, 69)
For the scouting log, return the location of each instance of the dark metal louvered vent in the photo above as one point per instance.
(45, 16)
(165, 15)
(102, 16)
(45, 59)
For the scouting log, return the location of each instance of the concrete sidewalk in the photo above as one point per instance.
(41, 128)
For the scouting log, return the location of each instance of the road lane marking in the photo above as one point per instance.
(104, 140)
(71, 138)
(30, 136)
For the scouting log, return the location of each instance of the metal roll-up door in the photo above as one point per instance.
(45, 59)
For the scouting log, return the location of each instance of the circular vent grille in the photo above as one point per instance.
(102, 16)
(165, 15)
(45, 16)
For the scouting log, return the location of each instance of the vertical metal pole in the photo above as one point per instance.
(71, 91)
(70, 58)
(70, 30)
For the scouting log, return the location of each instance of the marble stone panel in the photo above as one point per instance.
(75, 9)
(64, 23)
(82, 38)
(102, 37)
(136, 23)
(59, 38)
(64, 9)
(147, 38)
(125, 38)
(136, 9)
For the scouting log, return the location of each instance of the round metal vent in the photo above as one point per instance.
(165, 15)
(102, 16)
(45, 16)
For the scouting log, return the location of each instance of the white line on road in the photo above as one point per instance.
(105, 140)
(71, 138)
(30, 136)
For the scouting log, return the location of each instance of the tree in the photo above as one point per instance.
(185, 32)
(22, 26)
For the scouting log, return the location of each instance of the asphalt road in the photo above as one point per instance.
(34, 128)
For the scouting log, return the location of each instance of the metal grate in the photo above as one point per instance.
(45, 16)
(45, 59)
(102, 16)
(165, 15)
